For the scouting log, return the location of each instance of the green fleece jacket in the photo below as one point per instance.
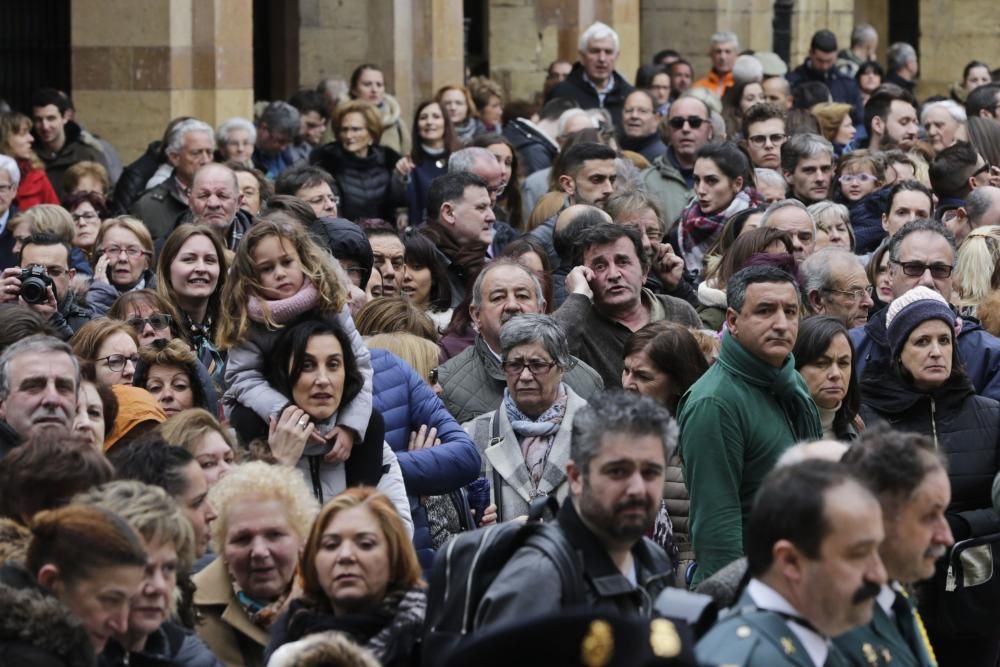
(734, 424)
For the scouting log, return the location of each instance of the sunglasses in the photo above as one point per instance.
(158, 321)
(917, 269)
(694, 121)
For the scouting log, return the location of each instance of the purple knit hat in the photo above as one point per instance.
(912, 309)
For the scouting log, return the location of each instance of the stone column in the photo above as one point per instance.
(417, 43)
(138, 65)
(951, 34)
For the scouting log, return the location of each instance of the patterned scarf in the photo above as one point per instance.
(283, 311)
(699, 231)
(264, 614)
(536, 436)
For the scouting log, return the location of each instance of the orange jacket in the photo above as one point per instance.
(713, 83)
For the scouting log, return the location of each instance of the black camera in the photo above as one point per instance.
(34, 285)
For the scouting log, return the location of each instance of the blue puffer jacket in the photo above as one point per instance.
(406, 403)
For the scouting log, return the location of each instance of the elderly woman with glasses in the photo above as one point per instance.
(525, 442)
(123, 252)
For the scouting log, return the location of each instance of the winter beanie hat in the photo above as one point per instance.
(911, 310)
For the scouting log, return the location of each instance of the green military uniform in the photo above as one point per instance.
(747, 636)
(900, 641)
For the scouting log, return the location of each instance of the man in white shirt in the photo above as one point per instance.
(813, 555)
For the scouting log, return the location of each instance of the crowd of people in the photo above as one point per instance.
(700, 371)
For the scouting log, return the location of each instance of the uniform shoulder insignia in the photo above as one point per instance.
(598, 645)
(743, 631)
(663, 639)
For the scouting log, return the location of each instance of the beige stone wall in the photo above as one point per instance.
(953, 32)
(137, 65)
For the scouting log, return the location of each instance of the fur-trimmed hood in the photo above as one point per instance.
(324, 649)
(35, 628)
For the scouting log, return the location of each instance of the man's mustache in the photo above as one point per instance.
(868, 590)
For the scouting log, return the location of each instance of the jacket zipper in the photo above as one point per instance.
(934, 423)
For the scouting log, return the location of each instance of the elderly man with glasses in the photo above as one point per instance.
(836, 284)
(922, 252)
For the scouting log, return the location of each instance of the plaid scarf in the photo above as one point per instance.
(699, 231)
(536, 436)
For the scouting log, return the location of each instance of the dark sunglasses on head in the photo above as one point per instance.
(678, 122)
(158, 321)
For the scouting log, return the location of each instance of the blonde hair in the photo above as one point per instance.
(49, 219)
(976, 268)
(242, 283)
(827, 212)
(371, 116)
(80, 170)
(421, 354)
(261, 481)
(188, 427)
(128, 223)
(829, 116)
(391, 314)
(149, 510)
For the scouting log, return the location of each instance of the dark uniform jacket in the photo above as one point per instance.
(897, 641)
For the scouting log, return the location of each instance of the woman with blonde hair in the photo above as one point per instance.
(977, 269)
(264, 515)
(169, 541)
(200, 433)
(381, 604)
(833, 225)
(122, 260)
(16, 142)
(391, 314)
(421, 354)
(835, 124)
(458, 104)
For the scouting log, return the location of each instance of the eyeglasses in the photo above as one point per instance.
(678, 122)
(116, 251)
(762, 139)
(536, 367)
(158, 321)
(52, 271)
(116, 362)
(86, 215)
(316, 201)
(985, 168)
(855, 294)
(917, 269)
(847, 179)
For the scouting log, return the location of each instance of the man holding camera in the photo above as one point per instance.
(42, 282)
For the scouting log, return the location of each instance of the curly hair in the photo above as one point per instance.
(317, 265)
(176, 354)
(261, 481)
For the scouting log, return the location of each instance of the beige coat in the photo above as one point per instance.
(226, 628)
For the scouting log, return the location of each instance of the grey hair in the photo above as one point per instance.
(785, 203)
(529, 328)
(819, 270)
(280, 117)
(826, 209)
(747, 68)
(32, 345)
(465, 160)
(175, 142)
(598, 30)
(899, 54)
(862, 34)
(477, 287)
(771, 177)
(801, 146)
(10, 166)
(236, 123)
(978, 203)
(725, 37)
(954, 109)
(914, 226)
(618, 413)
(567, 116)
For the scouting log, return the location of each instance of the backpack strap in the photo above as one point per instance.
(495, 439)
(552, 542)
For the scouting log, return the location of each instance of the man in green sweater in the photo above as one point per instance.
(743, 413)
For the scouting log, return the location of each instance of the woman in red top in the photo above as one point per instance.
(16, 141)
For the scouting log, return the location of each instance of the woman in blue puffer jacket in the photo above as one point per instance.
(407, 402)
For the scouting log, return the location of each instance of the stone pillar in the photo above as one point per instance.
(808, 16)
(951, 34)
(138, 65)
(417, 43)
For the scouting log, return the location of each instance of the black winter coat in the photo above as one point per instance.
(965, 428)
(132, 182)
(842, 88)
(576, 88)
(365, 184)
(35, 628)
(534, 150)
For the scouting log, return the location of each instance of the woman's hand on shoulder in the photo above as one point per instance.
(288, 434)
